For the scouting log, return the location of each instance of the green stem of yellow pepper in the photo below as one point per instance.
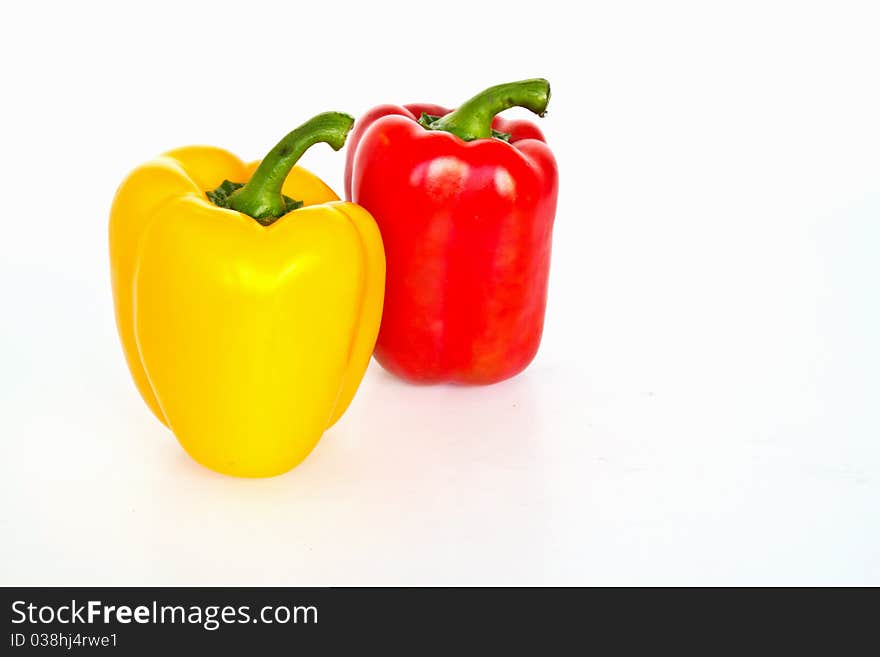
(261, 197)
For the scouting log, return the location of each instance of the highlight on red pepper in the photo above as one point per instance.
(465, 203)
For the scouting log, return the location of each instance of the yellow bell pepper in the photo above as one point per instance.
(248, 327)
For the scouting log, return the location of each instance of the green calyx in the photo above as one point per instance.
(261, 197)
(427, 120)
(220, 198)
(473, 119)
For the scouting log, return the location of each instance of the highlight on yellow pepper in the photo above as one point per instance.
(247, 312)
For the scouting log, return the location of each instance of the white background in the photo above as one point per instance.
(704, 407)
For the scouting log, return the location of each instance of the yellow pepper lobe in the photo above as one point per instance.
(248, 341)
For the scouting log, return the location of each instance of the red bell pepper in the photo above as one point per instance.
(465, 203)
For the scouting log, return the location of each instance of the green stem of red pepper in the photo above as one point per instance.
(261, 197)
(473, 119)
